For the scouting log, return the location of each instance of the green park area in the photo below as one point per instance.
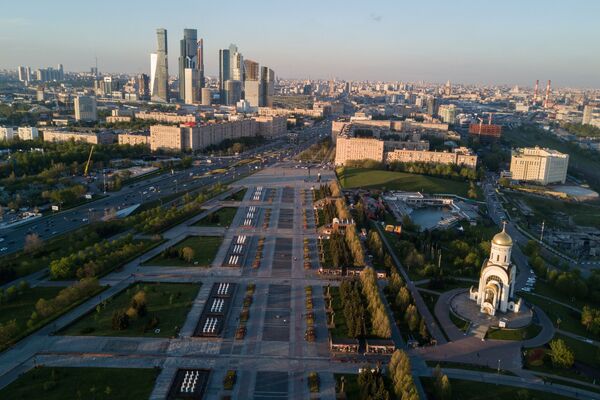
(222, 217)
(193, 251)
(143, 309)
(562, 317)
(23, 310)
(528, 332)
(60, 383)
(470, 390)
(391, 180)
(555, 213)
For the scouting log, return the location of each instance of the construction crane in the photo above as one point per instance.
(89, 160)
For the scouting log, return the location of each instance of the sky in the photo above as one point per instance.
(465, 41)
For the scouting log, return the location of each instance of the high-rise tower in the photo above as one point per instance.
(188, 51)
(224, 72)
(159, 68)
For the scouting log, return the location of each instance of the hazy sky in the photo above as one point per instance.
(470, 41)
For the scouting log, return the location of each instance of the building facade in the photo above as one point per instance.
(28, 132)
(159, 69)
(6, 133)
(134, 139)
(55, 135)
(347, 149)
(538, 165)
(85, 108)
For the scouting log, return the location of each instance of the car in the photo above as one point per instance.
(4, 249)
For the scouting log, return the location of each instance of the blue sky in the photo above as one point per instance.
(470, 41)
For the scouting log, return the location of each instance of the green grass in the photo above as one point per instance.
(571, 373)
(543, 288)
(470, 390)
(390, 180)
(570, 320)
(60, 383)
(23, 305)
(169, 302)
(528, 332)
(459, 322)
(205, 249)
(222, 217)
(470, 367)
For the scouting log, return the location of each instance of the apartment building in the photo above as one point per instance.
(172, 118)
(539, 165)
(358, 149)
(134, 138)
(56, 135)
(461, 156)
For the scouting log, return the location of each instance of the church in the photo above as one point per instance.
(497, 279)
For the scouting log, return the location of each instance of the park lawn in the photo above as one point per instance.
(528, 332)
(570, 320)
(222, 217)
(23, 305)
(205, 250)
(390, 180)
(169, 302)
(60, 383)
(471, 390)
(543, 288)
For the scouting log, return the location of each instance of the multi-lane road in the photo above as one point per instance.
(13, 238)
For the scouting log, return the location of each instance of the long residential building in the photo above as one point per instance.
(58, 135)
(539, 165)
(194, 138)
(461, 156)
(173, 118)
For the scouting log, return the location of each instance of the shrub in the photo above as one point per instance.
(120, 320)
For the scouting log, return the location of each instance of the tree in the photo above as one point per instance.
(33, 242)
(120, 320)
(187, 253)
(561, 355)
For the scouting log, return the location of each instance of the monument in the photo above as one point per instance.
(497, 279)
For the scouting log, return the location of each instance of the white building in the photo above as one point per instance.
(496, 288)
(542, 166)
(6, 133)
(28, 133)
(85, 108)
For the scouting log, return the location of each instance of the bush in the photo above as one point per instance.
(120, 320)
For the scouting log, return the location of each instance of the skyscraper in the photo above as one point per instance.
(252, 83)
(267, 77)
(188, 52)
(159, 68)
(236, 63)
(85, 108)
(224, 72)
(143, 86)
(433, 106)
(200, 61)
(191, 90)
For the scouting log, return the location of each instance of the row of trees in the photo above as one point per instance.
(379, 318)
(97, 259)
(13, 292)
(399, 370)
(371, 384)
(233, 146)
(354, 310)
(316, 152)
(590, 318)
(322, 192)
(583, 130)
(451, 171)
(404, 308)
(185, 253)
(65, 196)
(137, 308)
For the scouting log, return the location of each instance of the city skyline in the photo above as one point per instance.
(465, 42)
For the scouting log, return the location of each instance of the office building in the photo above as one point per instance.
(188, 53)
(224, 72)
(24, 74)
(233, 92)
(28, 133)
(159, 69)
(236, 64)
(539, 165)
(206, 98)
(252, 83)
(588, 114)
(447, 113)
(267, 77)
(85, 108)
(191, 90)
(200, 61)
(143, 86)
(6, 133)
(432, 106)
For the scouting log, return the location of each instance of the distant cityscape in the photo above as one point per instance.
(176, 235)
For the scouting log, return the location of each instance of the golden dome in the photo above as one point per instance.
(502, 238)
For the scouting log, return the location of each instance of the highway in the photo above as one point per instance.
(156, 187)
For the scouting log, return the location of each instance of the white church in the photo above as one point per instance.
(497, 279)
